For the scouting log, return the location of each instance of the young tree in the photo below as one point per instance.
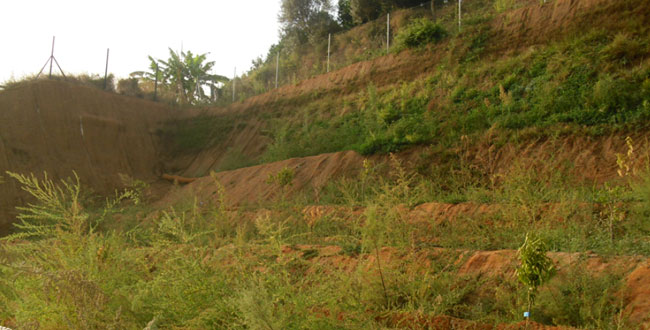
(344, 14)
(365, 10)
(535, 268)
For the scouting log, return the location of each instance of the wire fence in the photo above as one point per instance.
(363, 42)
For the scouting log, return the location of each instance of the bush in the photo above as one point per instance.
(129, 87)
(420, 32)
(623, 49)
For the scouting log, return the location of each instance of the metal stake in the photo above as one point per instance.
(277, 68)
(155, 85)
(387, 33)
(234, 82)
(459, 13)
(329, 44)
(51, 57)
(50, 60)
(106, 71)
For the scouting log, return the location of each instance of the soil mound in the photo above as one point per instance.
(59, 128)
(249, 185)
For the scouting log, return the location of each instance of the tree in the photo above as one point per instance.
(535, 269)
(344, 14)
(306, 20)
(363, 11)
(185, 74)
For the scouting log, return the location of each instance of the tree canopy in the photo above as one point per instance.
(303, 21)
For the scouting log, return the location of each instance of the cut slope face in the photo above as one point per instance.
(59, 128)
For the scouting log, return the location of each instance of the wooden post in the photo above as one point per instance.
(155, 84)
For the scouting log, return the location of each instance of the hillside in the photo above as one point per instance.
(408, 190)
(567, 76)
(58, 128)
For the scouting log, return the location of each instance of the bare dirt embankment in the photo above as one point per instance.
(59, 128)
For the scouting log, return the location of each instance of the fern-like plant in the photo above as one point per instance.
(58, 207)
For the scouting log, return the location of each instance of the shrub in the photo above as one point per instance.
(623, 49)
(129, 87)
(420, 32)
(536, 268)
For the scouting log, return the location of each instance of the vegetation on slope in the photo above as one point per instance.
(576, 80)
(599, 79)
(86, 264)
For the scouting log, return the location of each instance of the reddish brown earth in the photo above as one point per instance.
(589, 159)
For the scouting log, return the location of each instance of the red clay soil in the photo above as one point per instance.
(586, 158)
(638, 284)
(59, 128)
(249, 185)
(590, 159)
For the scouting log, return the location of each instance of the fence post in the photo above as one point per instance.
(329, 44)
(277, 68)
(387, 33)
(433, 9)
(459, 13)
(155, 84)
(106, 71)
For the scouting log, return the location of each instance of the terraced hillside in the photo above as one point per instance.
(392, 193)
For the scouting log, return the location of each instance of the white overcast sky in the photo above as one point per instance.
(234, 32)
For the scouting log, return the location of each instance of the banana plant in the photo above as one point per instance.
(185, 73)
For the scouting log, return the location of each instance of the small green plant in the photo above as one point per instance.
(284, 178)
(535, 267)
(419, 33)
(613, 213)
